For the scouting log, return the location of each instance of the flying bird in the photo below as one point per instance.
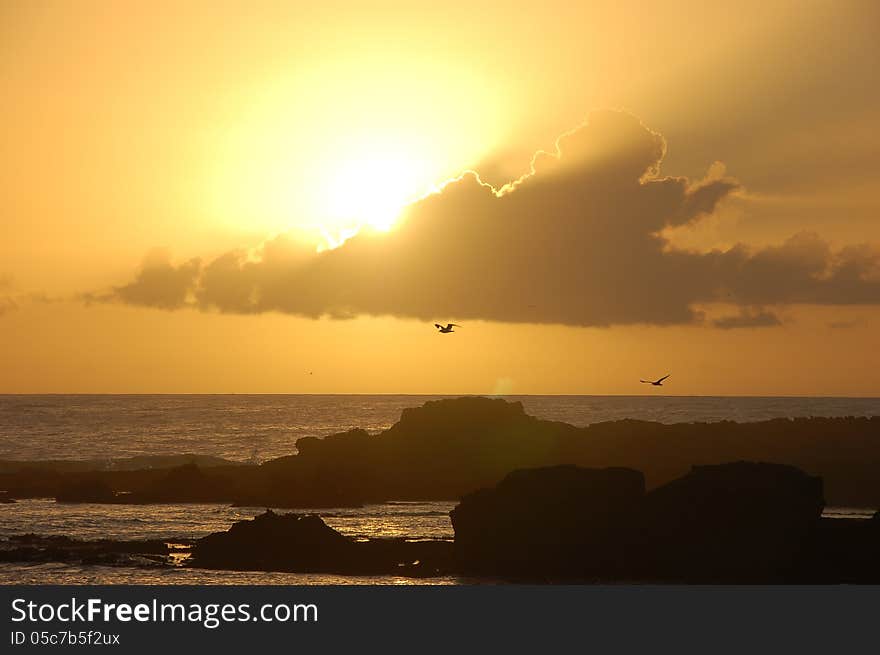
(447, 329)
(656, 383)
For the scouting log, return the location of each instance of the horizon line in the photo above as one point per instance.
(445, 395)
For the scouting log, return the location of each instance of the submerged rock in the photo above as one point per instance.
(33, 548)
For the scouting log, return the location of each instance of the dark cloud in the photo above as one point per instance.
(158, 284)
(577, 241)
(804, 269)
(747, 318)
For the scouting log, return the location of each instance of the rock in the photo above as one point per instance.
(304, 543)
(450, 415)
(60, 548)
(279, 542)
(86, 491)
(5, 498)
(729, 523)
(447, 448)
(184, 484)
(842, 551)
(742, 522)
(329, 472)
(559, 520)
(435, 452)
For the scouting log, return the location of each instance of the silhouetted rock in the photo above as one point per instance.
(304, 543)
(86, 491)
(439, 451)
(328, 472)
(841, 551)
(275, 542)
(5, 498)
(184, 484)
(560, 520)
(447, 448)
(34, 548)
(740, 522)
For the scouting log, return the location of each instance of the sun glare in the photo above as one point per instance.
(346, 144)
(371, 189)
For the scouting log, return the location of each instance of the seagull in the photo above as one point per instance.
(656, 383)
(447, 329)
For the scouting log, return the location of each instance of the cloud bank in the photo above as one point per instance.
(576, 241)
(748, 318)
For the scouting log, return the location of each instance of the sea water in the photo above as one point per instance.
(253, 428)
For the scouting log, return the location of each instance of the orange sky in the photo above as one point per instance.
(161, 134)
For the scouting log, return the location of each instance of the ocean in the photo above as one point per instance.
(253, 428)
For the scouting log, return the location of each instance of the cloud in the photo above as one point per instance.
(158, 284)
(12, 299)
(578, 241)
(803, 269)
(747, 318)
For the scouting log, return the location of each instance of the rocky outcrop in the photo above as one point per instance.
(441, 450)
(741, 522)
(185, 484)
(447, 448)
(276, 542)
(304, 543)
(32, 548)
(842, 551)
(560, 520)
(182, 484)
(88, 490)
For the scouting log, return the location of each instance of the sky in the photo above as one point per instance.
(282, 197)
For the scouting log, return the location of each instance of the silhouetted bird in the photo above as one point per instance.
(656, 383)
(447, 329)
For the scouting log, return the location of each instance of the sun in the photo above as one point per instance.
(370, 188)
(325, 152)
